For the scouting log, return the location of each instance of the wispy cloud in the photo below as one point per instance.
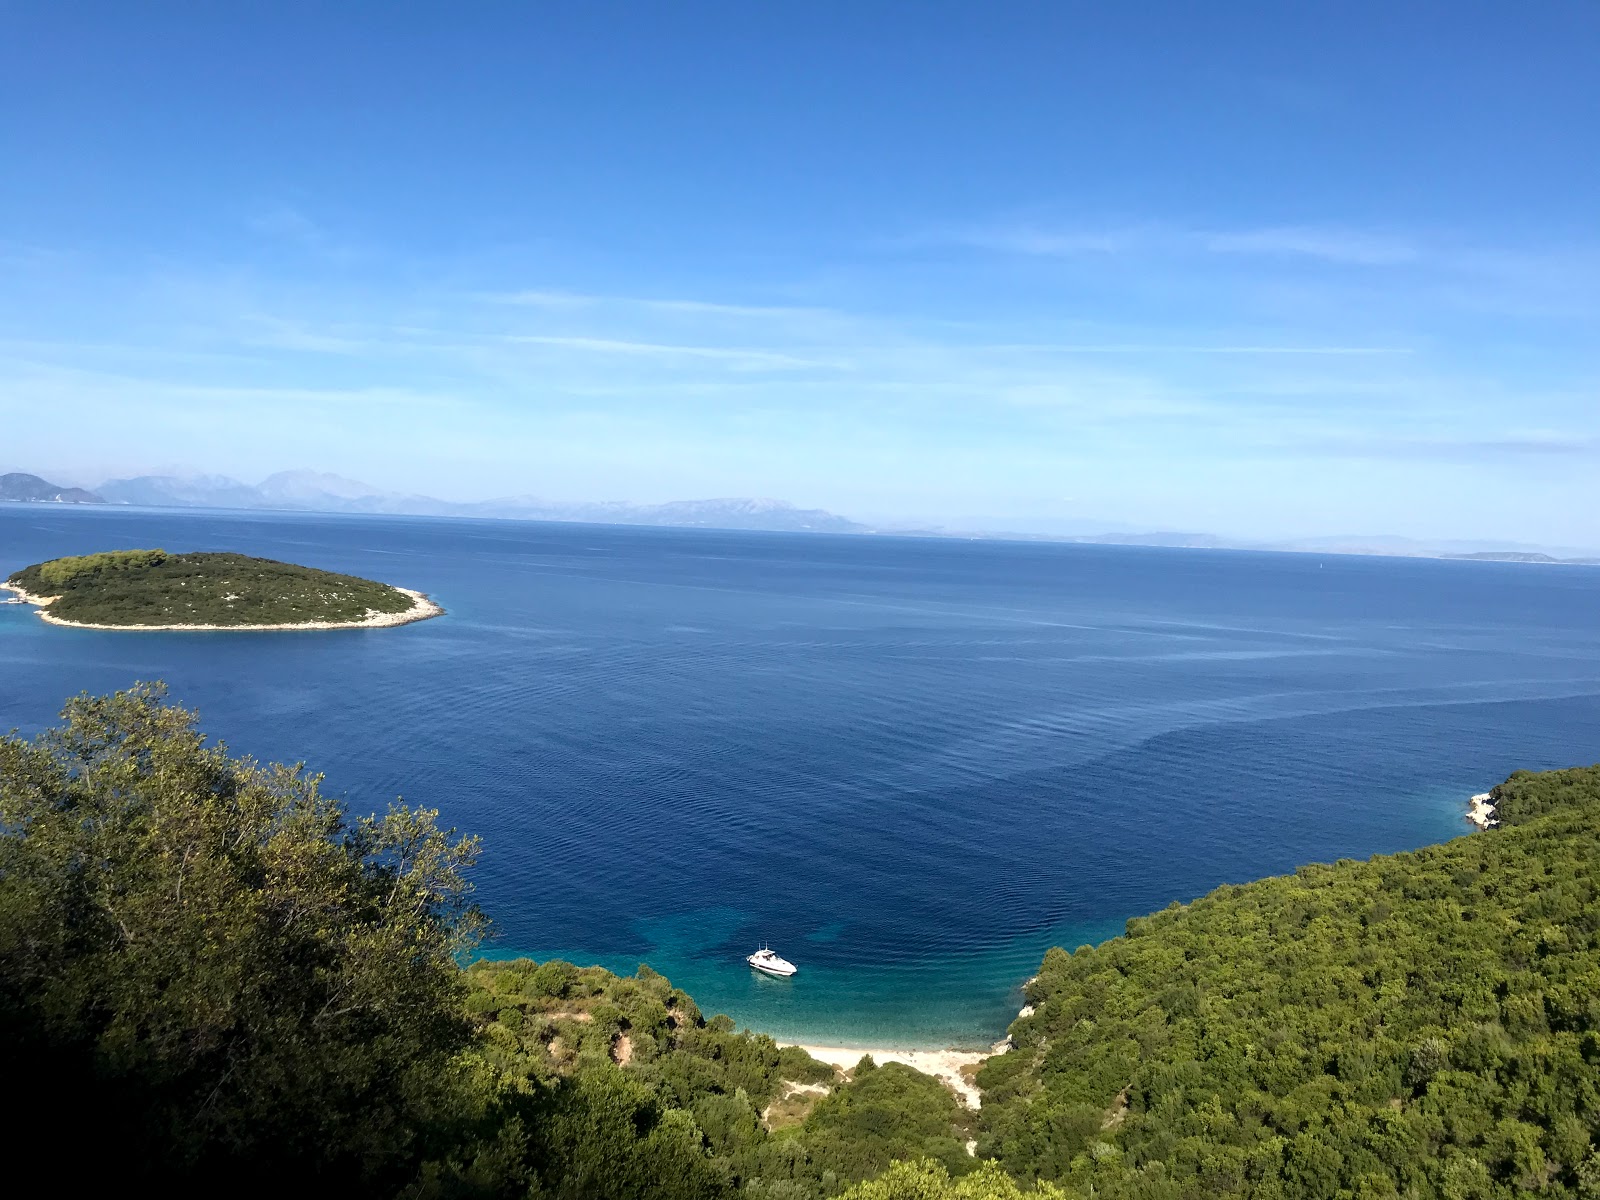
(1331, 273)
(753, 311)
(542, 298)
(1155, 362)
(737, 356)
(287, 224)
(1330, 245)
(1031, 240)
(1494, 448)
(567, 300)
(1158, 348)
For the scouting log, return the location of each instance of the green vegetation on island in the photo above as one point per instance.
(217, 978)
(152, 587)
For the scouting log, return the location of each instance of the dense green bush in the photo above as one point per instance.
(888, 1113)
(564, 1029)
(928, 1180)
(206, 969)
(1423, 1024)
(229, 985)
(60, 572)
(1529, 794)
(219, 981)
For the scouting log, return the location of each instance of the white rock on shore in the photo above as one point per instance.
(1481, 813)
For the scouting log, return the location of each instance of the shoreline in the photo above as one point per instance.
(947, 1066)
(422, 608)
(953, 1067)
(1481, 811)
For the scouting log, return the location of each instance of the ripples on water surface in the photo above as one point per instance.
(911, 765)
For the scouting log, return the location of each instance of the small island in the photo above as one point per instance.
(155, 590)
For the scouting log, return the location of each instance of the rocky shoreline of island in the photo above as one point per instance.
(422, 608)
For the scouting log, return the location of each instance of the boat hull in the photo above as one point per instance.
(768, 969)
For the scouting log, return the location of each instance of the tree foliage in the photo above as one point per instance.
(634, 1061)
(60, 572)
(926, 1179)
(207, 964)
(1422, 1024)
(206, 958)
(212, 973)
(888, 1113)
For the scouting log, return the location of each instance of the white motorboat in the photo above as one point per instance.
(768, 962)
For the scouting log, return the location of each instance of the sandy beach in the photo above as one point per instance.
(421, 609)
(942, 1064)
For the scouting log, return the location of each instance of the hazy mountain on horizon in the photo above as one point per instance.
(179, 491)
(22, 487)
(316, 491)
(1378, 545)
(1382, 545)
(718, 513)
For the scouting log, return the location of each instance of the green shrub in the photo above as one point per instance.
(206, 962)
(63, 571)
(1419, 1024)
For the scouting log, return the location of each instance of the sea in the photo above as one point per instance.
(910, 765)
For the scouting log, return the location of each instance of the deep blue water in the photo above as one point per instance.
(911, 765)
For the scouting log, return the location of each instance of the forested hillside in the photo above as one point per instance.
(1423, 1024)
(212, 977)
(754, 1119)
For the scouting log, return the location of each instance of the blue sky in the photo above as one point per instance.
(1259, 269)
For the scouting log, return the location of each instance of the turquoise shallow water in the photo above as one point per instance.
(910, 765)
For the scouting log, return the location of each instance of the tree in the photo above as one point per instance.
(1423, 1024)
(928, 1180)
(205, 964)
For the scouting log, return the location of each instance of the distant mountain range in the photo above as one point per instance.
(1524, 556)
(31, 489)
(313, 491)
(1383, 546)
